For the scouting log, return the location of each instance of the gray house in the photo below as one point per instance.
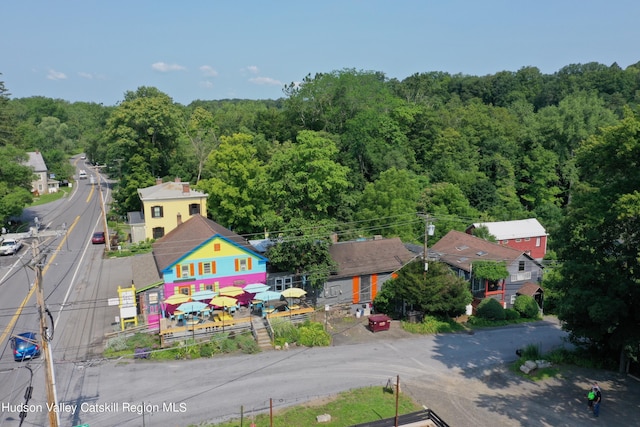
(363, 266)
(41, 184)
(461, 250)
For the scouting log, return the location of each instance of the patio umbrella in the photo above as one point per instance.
(254, 288)
(231, 291)
(268, 296)
(177, 299)
(203, 295)
(223, 301)
(192, 307)
(293, 293)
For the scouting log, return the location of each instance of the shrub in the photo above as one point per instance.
(117, 344)
(527, 306)
(313, 335)
(284, 331)
(247, 344)
(490, 309)
(511, 314)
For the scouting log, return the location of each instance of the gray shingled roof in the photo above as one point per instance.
(461, 250)
(193, 232)
(357, 258)
(168, 190)
(36, 162)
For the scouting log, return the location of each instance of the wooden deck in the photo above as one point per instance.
(171, 331)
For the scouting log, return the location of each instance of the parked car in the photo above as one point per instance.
(10, 246)
(25, 346)
(98, 238)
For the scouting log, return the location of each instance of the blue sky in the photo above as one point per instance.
(95, 51)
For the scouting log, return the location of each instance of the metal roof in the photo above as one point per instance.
(505, 230)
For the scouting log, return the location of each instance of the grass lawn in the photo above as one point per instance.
(48, 198)
(346, 409)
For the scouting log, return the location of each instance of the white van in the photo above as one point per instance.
(82, 174)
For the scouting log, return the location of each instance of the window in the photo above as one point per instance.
(282, 283)
(185, 270)
(518, 240)
(156, 212)
(521, 266)
(216, 247)
(208, 287)
(194, 208)
(526, 239)
(157, 232)
(513, 299)
(206, 268)
(504, 242)
(184, 290)
(537, 241)
(243, 264)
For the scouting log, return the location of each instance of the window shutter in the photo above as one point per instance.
(191, 270)
(200, 269)
(374, 286)
(249, 264)
(213, 267)
(237, 261)
(356, 289)
(178, 271)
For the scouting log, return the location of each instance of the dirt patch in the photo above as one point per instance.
(353, 330)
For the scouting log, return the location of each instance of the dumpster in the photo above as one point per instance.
(379, 322)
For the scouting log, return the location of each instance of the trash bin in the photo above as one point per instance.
(379, 322)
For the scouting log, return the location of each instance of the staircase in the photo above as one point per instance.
(261, 334)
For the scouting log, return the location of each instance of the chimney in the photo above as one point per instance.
(158, 181)
(177, 179)
(185, 188)
(179, 218)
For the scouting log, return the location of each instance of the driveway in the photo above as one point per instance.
(477, 396)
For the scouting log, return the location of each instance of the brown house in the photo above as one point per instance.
(460, 251)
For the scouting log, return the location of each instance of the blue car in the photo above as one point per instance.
(25, 346)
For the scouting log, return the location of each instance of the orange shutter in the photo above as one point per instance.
(178, 271)
(237, 264)
(249, 264)
(191, 270)
(356, 289)
(374, 286)
(200, 269)
(213, 267)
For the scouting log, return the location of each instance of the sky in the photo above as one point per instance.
(96, 51)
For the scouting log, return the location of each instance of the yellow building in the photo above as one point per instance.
(167, 204)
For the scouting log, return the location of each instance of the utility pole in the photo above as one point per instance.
(107, 239)
(46, 336)
(429, 230)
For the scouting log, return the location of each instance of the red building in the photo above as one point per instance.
(526, 235)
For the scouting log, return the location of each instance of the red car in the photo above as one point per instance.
(98, 238)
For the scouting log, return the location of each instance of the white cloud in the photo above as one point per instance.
(56, 75)
(163, 67)
(253, 69)
(87, 76)
(265, 81)
(209, 71)
(206, 84)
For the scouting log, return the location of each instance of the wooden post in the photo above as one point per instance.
(44, 334)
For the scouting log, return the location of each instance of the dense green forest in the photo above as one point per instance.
(355, 153)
